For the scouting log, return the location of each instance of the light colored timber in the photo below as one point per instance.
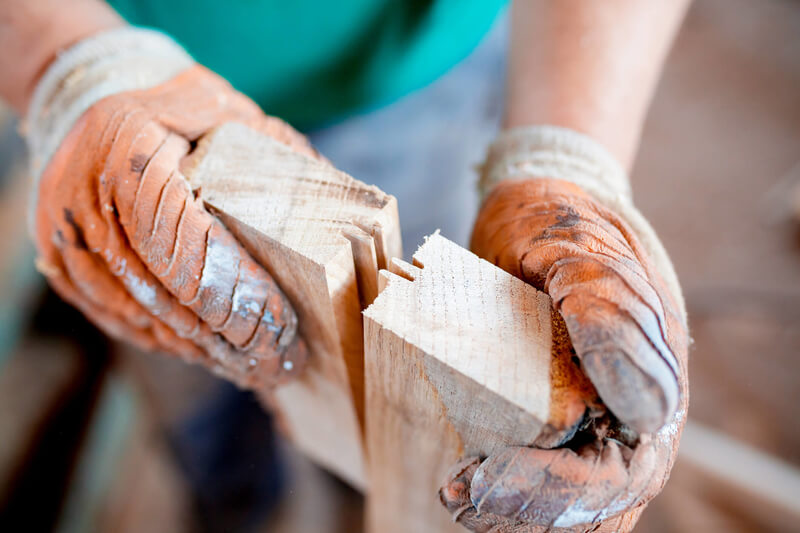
(323, 236)
(461, 359)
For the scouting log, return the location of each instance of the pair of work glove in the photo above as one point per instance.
(122, 236)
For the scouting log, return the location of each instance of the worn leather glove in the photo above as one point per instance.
(119, 232)
(559, 216)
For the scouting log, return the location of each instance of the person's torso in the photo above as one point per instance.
(313, 61)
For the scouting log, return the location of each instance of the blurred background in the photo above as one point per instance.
(95, 436)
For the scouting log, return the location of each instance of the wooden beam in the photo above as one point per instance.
(323, 236)
(462, 359)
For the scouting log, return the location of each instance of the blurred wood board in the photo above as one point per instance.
(720, 483)
(146, 490)
(462, 359)
(323, 236)
(34, 383)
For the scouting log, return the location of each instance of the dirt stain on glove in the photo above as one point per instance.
(121, 235)
(629, 340)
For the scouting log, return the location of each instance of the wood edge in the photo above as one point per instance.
(365, 262)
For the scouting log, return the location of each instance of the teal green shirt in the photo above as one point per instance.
(314, 61)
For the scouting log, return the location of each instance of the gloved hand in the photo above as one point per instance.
(119, 232)
(559, 216)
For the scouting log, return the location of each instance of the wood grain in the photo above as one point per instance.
(461, 360)
(322, 235)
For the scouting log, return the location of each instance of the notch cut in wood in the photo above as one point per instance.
(323, 236)
(461, 359)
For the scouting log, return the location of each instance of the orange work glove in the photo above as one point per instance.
(119, 232)
(610, 279)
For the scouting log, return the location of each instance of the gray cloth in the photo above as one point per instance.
(423, 149)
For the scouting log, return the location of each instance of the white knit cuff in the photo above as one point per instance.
(551, 152)
(110, 62)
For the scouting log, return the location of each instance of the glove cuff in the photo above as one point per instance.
(552, 152)
(110, 62)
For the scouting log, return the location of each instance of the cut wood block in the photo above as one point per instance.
(462, 359)
(323, 236)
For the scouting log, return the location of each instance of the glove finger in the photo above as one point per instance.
(544, 222)
(129, 232)
(83, 279)
(197, 100)
(619, 343)
(193, 103)
(551, 488)
(556, 230)
(559, 239)
(200, 262)
(113, 278)
(528, 238)
(113, 325)
(283, 132)
(129, 304)
(455, 496)
(556, 491)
